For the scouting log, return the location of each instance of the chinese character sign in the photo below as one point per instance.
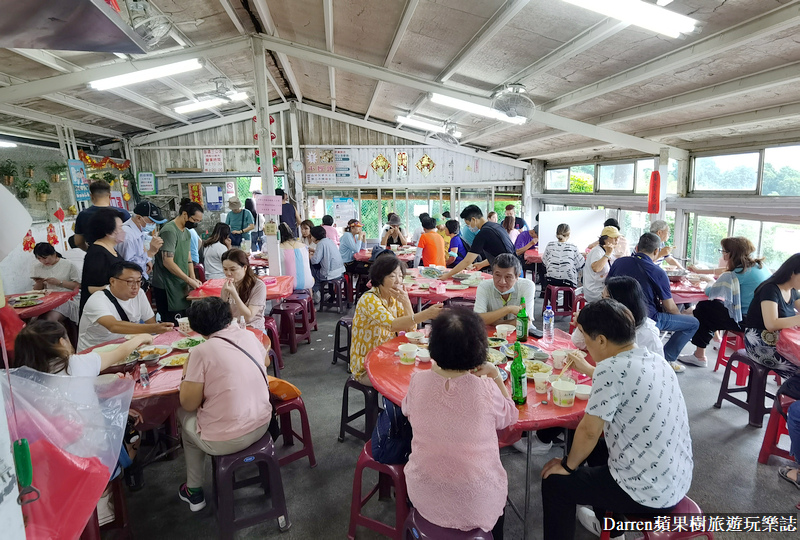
(212, 161)
(320, 167)
(147, 183)
(196, 193)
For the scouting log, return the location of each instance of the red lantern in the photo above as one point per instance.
(272, 135)
(258, 152)
(274, 168)
(654, 196)
(271, 119)
(255, 119)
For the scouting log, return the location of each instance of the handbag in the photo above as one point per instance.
(391, 439)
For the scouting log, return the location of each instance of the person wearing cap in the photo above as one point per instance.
(394, 233)
(138, 228)
(240, 221)
(598, 263)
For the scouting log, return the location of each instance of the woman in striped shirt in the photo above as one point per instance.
(563, 260)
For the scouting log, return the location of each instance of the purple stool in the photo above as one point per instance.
(283, 410)
(262, 454)
(271, 326)
(419, 528)
(342, 351)
(305, 298)
(333, 293)
(294, 324)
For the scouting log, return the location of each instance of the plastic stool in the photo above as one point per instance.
(419, 528)
(369, 412)
(262, 454)
(120, 523)
(776, 426)
(735, 340)
(333, 293)
(200, 272)
(756, 388)
(685, 506)
(577, 304)
(273, 360)
(551, 296)
(294, 324)
(349, 289)
(306, 298)
(271, 327)
(387, 473)
(283, 410)
(342, 352)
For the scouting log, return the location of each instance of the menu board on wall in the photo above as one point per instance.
(320, 167)
(344, 166)
(147, 183)
(77, 173)
(212, 160)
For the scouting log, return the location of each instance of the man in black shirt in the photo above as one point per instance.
(100, 191)
(491, 240)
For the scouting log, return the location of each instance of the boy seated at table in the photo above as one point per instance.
(498, 300)
(430, 247)
(119, 309)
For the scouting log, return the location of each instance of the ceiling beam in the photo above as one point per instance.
(57, 83)
(519, 141)
(421, 139)
(269, 28)
(188, 94)
(405, 20)
(237, 22)
(327, 10)
(30, 114)
(779, 19)
(501, 17)
(592, 145)
(488, 130)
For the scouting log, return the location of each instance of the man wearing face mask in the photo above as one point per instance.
(498, 301)
(490, 241)
(173, 270)
(138, 228)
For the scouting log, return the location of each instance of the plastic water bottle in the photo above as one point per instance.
(144, 376)
(549, 320)
(242, 322)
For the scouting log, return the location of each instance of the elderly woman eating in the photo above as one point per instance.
(224, 394)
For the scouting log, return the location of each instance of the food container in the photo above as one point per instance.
(183, 324)
(564, 392)
(423, 355)
(559, 358)
(583, 391)
(408, 352)
(415, 337)
(504, 330)
(540, 380)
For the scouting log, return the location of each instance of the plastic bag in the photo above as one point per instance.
(74, 426)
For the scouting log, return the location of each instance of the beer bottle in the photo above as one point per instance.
(522, 321)
(519, 377)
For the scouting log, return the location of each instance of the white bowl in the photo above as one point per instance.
(408, 352)
(504, 330)
(415, 337)
(423, 355)
(583, 391)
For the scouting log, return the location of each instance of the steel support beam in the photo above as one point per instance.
(237, 22)
(269, 28)
(327, 11)
(30, 114)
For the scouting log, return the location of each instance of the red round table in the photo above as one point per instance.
(419, 294)
(277, 287)
(50, 301)
(789, 344)
(686, 292)
(365, 254)
(532, 256)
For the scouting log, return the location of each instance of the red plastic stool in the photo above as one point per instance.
(271, 326)
(294, 324)
(262, 454)
(577, 304)
(306, 298)
(283, 410)
(685, 506)
(387, 473)
(735, 340)
(349, 289)
(369, 412)
(756, 388)
(342, 351)
(200, 272)
(551, 295)
(120, 523)
(333, 293)
(776, 426)
(419, 528)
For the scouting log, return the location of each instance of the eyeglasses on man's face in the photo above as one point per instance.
(132, 283)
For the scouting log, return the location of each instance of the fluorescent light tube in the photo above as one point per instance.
(473, 108)
(205, 104)
(146, 74)
(642, 14)
(237, 96)
(7, 144)
(425, 126)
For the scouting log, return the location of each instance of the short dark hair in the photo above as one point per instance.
(611, 222)
(510, 207)
(44, 249)
(102, 223)
(628, 292)
(382, 267)
(209, 315)
(507, 260)
(319, 232)
(471, 212)
(648, 243)
(446, 215)
(327, 220)
(117, 269)
(190, 207)
(99, 187)
(609, 318)
(280, 192)
(428, 223)
(458, 340)
(452, 226)
(422, 216)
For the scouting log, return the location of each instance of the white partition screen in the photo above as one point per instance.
(585, 226)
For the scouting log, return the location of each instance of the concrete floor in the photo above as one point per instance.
(727, 477)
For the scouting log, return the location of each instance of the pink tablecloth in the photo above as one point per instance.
(789, 344)
(277, 287)
(391, 378)
(50, 301)
(415, 292)
(686, 292)
(365, 254)
(532, 256)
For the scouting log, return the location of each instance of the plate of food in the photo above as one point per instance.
(106, 348)
(528, 351)
(456, 287)
(495, 357)
(535, 366)
(496, 342)
(424, 286)
(19, 304)
(461, 276)
(29, 296)
(160, 350)
(188, 343)
(503, 374)
(175, 360)
(471, 282)
(430, 273)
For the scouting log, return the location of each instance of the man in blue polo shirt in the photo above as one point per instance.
(658, 297)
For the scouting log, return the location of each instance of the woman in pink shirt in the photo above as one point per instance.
(330, 230)
(224, 394)
(454, 475)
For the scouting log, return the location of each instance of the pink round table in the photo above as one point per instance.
(686, 292)
(50, 301)
(365, 254)
(277, 287)
(532, 256)
(419, 294)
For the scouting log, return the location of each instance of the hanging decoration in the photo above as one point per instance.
(402, 165)
(103, 163)
(425, 165)
(380, 165)
(196, 192)
(59, 214)
(272, 135)
(52, 237)
(271, 120)
(654, 195)
(362, 169)
(28, 243)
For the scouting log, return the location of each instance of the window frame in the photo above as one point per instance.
(693, 191)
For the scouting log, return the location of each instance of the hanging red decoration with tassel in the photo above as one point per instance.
(273, 136)
(52, 237)
(271, 119)
(274, 168)
(654, 196)
(28, 243)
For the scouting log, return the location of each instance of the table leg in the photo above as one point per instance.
(528, 464)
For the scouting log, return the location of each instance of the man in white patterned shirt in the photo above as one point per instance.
(644, 465)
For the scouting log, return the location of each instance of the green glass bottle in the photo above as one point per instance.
(522, 321)
(519, 377)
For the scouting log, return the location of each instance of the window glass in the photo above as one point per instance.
(400, 207)
(479, 197)
(556, 179)
(779, 241)
(781, 171)
(417, 204)
(632, 225)
(370, 212)
(735, 172)
(749, 229)
(710, 231)
(616, 177)
(672, 177)
(581, 179)
(644, 167)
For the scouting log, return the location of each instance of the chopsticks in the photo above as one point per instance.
(565, 369)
